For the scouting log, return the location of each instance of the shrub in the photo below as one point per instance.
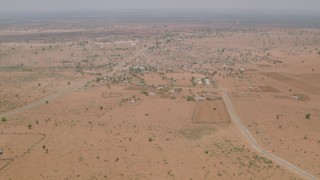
(189, 98)
(145, 93)
(3, 119)
(308, 116)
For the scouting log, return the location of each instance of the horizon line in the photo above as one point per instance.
(256, 10)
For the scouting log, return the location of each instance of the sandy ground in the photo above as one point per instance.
(137, 114)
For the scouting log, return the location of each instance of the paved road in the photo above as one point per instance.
(236, 120)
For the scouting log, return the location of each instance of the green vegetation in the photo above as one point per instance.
(3, 119)
(308, 116)
(193, 81)
(145, 93)
(189, 98)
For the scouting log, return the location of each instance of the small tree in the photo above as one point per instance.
(308, 116)
(189, 98)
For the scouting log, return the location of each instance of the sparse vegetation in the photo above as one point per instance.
(189, 98)
(3, 119)
(155, 91)
(308, 116)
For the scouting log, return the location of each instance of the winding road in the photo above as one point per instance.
(236, 120)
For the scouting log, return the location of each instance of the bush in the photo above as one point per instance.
(308, 116)
(189, 98)
(3, 119)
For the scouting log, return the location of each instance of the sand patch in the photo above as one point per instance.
(210, 112)
(267, 89)
(286, 79)
(196, 133)
(110, 95)
(16, 145)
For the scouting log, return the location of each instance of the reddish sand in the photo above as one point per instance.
(131, 123)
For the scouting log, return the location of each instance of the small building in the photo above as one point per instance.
(160, 87)
(199, 81)
(152, 93)
(198, 98)
(206, 81)
(171, 91)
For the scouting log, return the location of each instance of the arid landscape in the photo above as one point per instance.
(112, 97)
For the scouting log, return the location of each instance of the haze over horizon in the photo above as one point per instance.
(94, 5)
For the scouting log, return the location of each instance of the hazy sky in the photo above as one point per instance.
(63, 5)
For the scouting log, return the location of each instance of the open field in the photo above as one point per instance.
(112, 99)
(296, 83)
(210, 112)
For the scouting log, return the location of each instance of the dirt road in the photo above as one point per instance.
(65, 91)
(44, 100)
(236, 120)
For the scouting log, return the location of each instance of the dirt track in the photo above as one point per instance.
(234, 117)
(62, 92)
(44, 100)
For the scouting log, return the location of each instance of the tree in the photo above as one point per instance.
(189, 98)
(4, 119)
(308, 116)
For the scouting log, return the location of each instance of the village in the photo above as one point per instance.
(148, 100)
